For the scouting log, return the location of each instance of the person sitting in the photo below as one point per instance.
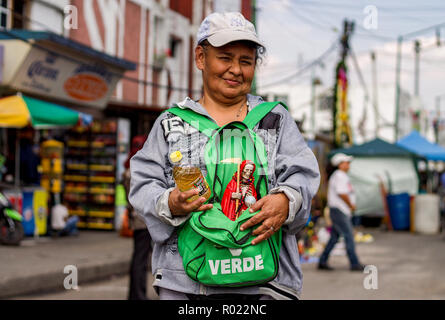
(61, 223)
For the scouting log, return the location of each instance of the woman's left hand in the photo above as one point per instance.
(274, 212)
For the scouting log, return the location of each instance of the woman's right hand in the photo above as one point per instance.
(177, 201)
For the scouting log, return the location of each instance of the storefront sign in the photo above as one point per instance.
(66, 77)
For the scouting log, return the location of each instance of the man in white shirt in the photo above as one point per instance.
(341, 203)
(61, 223)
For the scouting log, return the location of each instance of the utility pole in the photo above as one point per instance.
(437, 124)
(314, 83)
(416, 67)
(254, 9)
(341, 126)
(375, 102)
(313, 101)
(398, 67)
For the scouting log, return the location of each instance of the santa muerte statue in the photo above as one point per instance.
(240, 192)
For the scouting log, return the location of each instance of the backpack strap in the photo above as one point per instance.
(259, 112)
(199, 121)
(207, 126)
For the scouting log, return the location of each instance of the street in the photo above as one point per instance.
(409, 266)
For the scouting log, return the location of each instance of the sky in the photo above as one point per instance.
(296, 32)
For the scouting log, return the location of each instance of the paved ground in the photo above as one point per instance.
(409, 266)
(38, 265)
(113, 288)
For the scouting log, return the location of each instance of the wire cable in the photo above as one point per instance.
(304, 68)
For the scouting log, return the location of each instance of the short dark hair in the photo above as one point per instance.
(260, 51)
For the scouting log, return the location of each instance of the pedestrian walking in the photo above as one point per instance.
(227, 53)
(141, 237)
(342, 204)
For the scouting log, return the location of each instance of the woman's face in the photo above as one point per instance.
(227, 71)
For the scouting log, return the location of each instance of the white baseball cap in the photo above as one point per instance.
(221, 28)
(339, 158)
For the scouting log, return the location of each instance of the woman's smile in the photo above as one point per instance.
(232, 82)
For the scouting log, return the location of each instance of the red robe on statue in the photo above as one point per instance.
(228, 205)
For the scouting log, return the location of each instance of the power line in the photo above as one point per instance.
(289, 30)
(327, 9)
(414, 33)
(359, 73)
(305, 68)
(342, 6)
(363, 84)
(372, 34)
(311, 22)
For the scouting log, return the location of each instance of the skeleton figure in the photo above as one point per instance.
(239, 195)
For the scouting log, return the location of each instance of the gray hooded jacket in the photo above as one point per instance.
(293, 169)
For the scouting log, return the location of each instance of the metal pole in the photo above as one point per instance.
(17, 159)
(437, 119)
(254, 82)
(375, 95)
(398, 66)
(416, 67)
(313, 101)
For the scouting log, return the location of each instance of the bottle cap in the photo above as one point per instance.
(176, 156)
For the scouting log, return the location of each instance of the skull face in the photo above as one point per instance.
(247, 172)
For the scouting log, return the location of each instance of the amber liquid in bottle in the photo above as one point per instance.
(189, 177)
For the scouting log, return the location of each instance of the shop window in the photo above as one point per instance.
(18, 19)
(159, 52)
(174, 45)
(5, 14)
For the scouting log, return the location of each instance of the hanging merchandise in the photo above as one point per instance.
(52, 166)
(94, 156)
(342, 134)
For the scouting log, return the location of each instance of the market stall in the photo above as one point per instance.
(379, 161)
(429, 205)
(22, 114)
(52, 70)
(417, 144)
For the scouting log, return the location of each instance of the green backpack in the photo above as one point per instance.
(214, 250)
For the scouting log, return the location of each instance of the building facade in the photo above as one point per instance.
(158, 35)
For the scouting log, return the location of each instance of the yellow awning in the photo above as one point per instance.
(20, 111)
(14, 112)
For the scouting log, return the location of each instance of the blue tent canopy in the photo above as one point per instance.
(416, 143)
(375, 148)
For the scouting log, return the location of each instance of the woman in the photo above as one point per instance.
(227, 53)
